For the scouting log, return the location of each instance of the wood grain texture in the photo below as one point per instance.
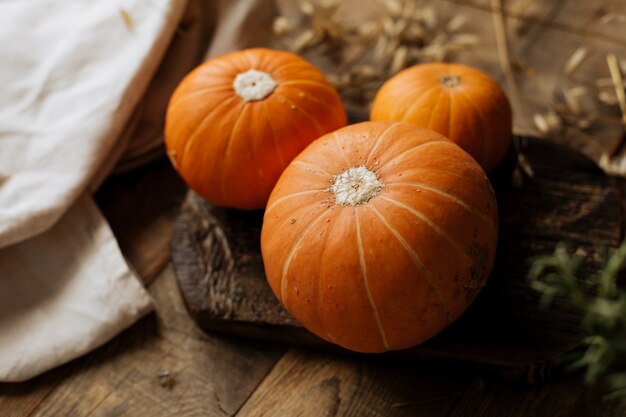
(310, 384)
(162, 366)
(217, 261)
(22, 399)
(574, 22)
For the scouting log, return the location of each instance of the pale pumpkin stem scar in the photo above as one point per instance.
(288, 196)
(452, 242)
(359, 243)
(254, 85)
(379, 140)
(355, 186)
(432, 142)
(449, 196)
(228, 144)
(450, 81)
(416, 260)
(292, 253)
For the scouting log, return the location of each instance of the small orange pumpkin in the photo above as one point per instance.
(235, 122)
(461, 103)
(379, 235)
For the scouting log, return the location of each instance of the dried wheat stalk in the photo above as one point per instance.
(363, 57)
(611, 163)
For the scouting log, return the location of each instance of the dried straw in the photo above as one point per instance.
(503, 48)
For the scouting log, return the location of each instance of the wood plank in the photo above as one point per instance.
(311, 384)
(161, 366)
(22, 399)
(141, 207)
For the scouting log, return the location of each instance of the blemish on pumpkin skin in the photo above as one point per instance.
(292, 220)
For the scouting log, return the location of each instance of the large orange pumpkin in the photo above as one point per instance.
(379, 235)
(461, 103)
(235, 122)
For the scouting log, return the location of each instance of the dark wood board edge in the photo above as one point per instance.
(184, 244)
(529, 373)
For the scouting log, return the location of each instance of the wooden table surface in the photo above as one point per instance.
(165, 366)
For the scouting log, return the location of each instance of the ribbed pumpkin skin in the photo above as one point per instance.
(392, 272)
(232, 151)
(475, 114)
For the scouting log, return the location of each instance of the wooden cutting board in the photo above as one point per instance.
(217, 261)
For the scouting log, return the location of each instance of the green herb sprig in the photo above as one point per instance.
(601, 303)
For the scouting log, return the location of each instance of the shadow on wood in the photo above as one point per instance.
(217, 260)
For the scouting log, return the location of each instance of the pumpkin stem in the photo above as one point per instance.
(355, 186)
(450, 80)
(254, 85)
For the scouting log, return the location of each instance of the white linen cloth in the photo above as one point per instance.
(71, 75)
(55, 308)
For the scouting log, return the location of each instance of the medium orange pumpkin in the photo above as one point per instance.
(235, 122)
(461, 103)
(379, 235)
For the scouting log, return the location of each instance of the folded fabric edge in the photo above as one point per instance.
(107, 307)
